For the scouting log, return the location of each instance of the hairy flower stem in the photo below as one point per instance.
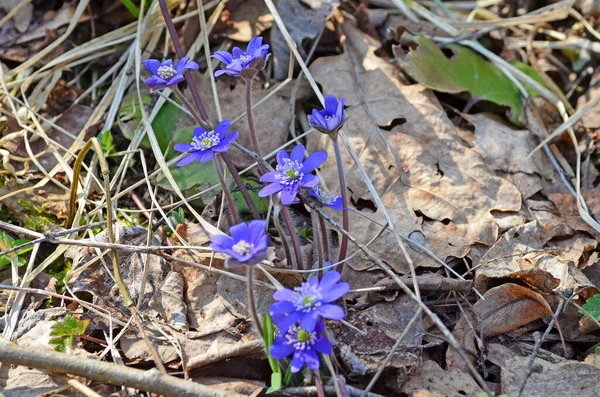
(344, 193)
(284, 239)
(294, 236)
(189, 106)
(226, 193)
(317, 237)
(255, 147)
(252, 303)
(241, 185)
(179, 51)
(325, 237)
(319, 384)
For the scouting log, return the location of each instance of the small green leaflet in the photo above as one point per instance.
(64, 332)
(269, 336)
(592, 306)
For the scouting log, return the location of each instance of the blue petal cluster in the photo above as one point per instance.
(330, 119)
(234, 64)
(164, 74)
(299, 314)
(247, 244)
(303, 344)
(291, 173)
(206, 143)
(326, 198)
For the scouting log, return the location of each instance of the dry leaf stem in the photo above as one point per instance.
(248, 82)
(293, 235)
(179, 51)
(319, 384)
(252, 302)
(226, 192)
(284, 238)
(152, 380)
(344, 193)
(241, 185)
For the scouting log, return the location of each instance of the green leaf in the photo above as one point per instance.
(195, 175)
(597, 351)
(593, 306)
(164, 124)
(64, 332)
(464, 71)
(9, 242)
(275, 382)
(106, 142)
(131, 7)
(262, 204)
(269, 336)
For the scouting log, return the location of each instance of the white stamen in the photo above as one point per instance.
(307, 297)
(166, 72)
(292, 338)
(205, 141)
(289, 172)
(242, 247)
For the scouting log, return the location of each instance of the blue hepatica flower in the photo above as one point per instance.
(303, 344)
(164, 74)
(291, 173)
(240, 60)
(309, 302)
(206, 143)
(246, 246)
(331, 118)
(326, 198)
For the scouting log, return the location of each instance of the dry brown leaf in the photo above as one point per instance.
(382, 323)
(562, 378)
(250, 388)
(439, 383)
(504, 309)
(428, 180)
(524, 253)
(250, 18)
(303, 19)
(72, 120)
(97, 278)
(591, 119)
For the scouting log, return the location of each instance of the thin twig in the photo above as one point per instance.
(151, 381)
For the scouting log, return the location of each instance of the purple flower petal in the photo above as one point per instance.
(309, 321)
(297, 362)
(198, 131)
(297, 153)
(241, 231)
(223, 56)
(220, 73)
(222, 128)
(207, 155)
(283, 294)
(331, 104)
(269, 177)
(190, 158)
(339, 111)
(237, 52)
(178, 78)
(288, 195)
(311, 359)
(282, 154)
(333, 293)
(279, 351)
(254, 45)
(309, 180)
(281, 308)
(183, 147)
(332, 312)
(329, 279)
(180, 64)
(317, 119)
(271, 189)
(156, 82)
(257, 230)
(168, 62)
(290, 319)
(152, 65)
(220, 241)
(322, 345)
(313, 161)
